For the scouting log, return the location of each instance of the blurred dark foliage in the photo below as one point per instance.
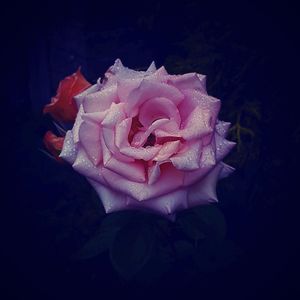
(58, 241)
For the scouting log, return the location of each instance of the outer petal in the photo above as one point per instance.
(197, 125)
(222, 128)
(101, 100)
(134, 171)
(79, 97)
(69, 150)
(192, 81)
(188, 159)
(85, 167)
(89, 135)
(114, 115)
(77, 124)
(195, 98)
(204, 191)
(207, 163)
(170, 180)
(223, 146)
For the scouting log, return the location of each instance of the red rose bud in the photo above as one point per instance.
(63, 107)
(53, 144)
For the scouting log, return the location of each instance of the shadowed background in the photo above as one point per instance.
(249, 52)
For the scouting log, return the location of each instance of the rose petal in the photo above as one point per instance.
(207, 162)
(222, 128)
(204, 191)
(195, 98)
(223, 146)
(169, 203)
(114, 115)
(69, 150)
(77, 124)
(80, 97)
(101, 100)
(84, 166)
(197, 125)
(189, 81)
(167, 150)
(140, 138)
(158, 108)
(170, 180)
(131, 170)
(89, 135)
(95, 117)
(226, 170)
(152, 68)
(188, 159)
(150, 89)
(145, 154)
(109, 139)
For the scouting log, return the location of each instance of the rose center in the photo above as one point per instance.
(150, 140)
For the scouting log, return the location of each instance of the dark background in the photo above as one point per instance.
(249, 51)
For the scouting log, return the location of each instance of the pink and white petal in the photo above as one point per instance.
(189, 81)
(77, 124)
(208, 156)
(207, 163)
(145, 154)
(226, 170)
(204, 191)
(170, 180)
(111, 200)
(126, 86)
(194, 98)
(223, 146)
(141, 137)
(101, 100)
(95, 117)
(160, 72)
(80, 97)
(150, 89)
(121, 133)
(197, 125)
(189, 159)
(105, 151)
(169, 203)
(89, 135)
(222, 128)
(116, 68)
(114, 115)
(134, 171)
(158, 108)
(69, 150)
(151, 68)
(109, 139)
(85, 167)
(167, 150)
(154, 172)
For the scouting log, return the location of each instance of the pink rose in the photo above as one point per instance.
(149, 140)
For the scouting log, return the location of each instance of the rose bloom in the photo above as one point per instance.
(149, 140)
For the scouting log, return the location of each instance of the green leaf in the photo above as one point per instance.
(203, 223)
(214, 221)
(184, 249)
(132, 248)
(191, 225)
(105, 236)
